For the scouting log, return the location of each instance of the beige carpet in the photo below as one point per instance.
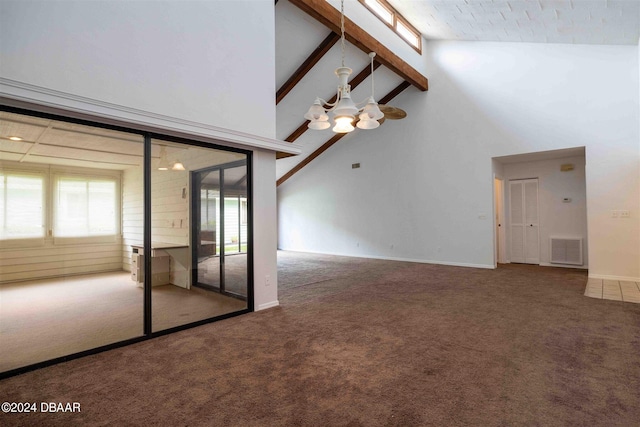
(371, 343)
(45, 319)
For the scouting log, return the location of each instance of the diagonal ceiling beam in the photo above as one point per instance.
(395, 92)
(326, 14)
(306, 66)
(335, 138)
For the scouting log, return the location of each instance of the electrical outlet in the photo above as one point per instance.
(624, 214)
(267, 280)
(614, 214)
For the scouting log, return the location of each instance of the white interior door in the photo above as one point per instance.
(531, 238)
(500, 241)
(523, 215)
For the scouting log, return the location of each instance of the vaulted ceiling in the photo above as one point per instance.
(308, 50)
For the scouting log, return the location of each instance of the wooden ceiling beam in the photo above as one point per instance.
(329, 16)
(307, 65)
(395, 92)
(335, 138)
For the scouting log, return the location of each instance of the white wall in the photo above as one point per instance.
(265, 234)
(424, 191)
(209, 62)
(201, 68)
(556, 218)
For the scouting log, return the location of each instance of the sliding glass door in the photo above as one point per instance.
(71, 207)
(220, 215)
(110, 235)
(190, 280)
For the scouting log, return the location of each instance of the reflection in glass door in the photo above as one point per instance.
(98, 236)
(220, 258)
(188, 237)
(71, 210)
(207, 186)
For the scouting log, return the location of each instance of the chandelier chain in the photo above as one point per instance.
(373, 84)
(342, 28)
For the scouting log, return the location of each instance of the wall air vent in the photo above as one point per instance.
(566, 250)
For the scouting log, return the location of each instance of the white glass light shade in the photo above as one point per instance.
(372, 110)
(319, 124)
(367, 123)
(316, 112)
(345, 107)
(177, 166)
(343, 124)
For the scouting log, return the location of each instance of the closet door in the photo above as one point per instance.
(523, 214)
(531, 236)
(516, 215)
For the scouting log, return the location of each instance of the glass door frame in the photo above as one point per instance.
(35, 110)
(196, 221)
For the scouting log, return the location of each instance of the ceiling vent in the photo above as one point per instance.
(566, 250)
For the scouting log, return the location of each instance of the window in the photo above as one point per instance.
(21, 206)
(243, 211)
(383, 13)
(395, 21)
(86, 207)
(407, 33)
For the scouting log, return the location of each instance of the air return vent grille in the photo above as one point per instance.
(566, 250)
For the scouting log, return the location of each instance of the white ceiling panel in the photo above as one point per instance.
(91, 141)
(15, 147)
(615, 22)
(45, 150)
(60, 143)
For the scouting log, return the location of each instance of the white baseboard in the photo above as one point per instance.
(267, 305)
(618, 278)
(580, 267)
(420, 261)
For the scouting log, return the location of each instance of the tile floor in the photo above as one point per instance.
(614, 290)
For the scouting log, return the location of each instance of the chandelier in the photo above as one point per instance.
(344, 109)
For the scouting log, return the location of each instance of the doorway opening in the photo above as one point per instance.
(539, 198)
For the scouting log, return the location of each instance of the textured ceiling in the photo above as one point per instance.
(611, 22)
